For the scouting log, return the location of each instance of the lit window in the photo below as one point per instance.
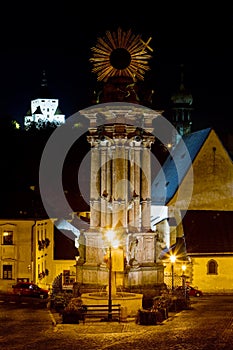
(212, 267)
(7, 272)
(8, 237)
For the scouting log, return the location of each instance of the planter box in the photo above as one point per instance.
(147, 317)
(71, 318)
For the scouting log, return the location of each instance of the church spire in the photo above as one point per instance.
(181, 108)
(44, 91)
(44, 79)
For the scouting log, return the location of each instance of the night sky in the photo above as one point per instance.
(59, 41)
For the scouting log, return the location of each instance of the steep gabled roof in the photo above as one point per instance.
(63, 224)
(38, 110)
(208, 231)
(170, 176)
(58, 111)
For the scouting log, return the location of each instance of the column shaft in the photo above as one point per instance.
(137, 183)
(95, 187)
(146, 187)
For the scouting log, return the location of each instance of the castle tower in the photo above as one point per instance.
(120, 137)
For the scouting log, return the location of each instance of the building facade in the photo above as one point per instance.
(200, 210)
(33, 251)
(17, 260)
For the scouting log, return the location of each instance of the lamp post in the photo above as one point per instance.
(112, 243)
(183, 274)
(172, 259)
(183, 279)
(110, 285)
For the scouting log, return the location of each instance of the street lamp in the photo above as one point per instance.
(112, 243)
(173, 260)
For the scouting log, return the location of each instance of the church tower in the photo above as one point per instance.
(120, 137)
(182, 109)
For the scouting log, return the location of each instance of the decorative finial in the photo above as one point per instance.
(121, 54)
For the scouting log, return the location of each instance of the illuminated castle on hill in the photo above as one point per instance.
(44, 110)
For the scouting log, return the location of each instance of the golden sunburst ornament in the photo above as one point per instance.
(120, 54)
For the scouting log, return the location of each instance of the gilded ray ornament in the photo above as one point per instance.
(121, 54)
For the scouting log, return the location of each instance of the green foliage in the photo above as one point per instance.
(59, 301)
(74, 305)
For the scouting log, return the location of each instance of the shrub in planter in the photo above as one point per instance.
(160, 305)
(59, 301)
(73, 312)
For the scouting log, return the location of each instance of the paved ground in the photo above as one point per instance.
(92, 326)
(208, 325)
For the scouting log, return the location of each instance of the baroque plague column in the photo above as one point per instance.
(120, 136)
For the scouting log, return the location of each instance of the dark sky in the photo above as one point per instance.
(59, 40)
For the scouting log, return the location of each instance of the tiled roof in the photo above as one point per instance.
(208, 231)
(63, 224)
(170, 176)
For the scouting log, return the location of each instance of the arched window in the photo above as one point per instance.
(212, 267)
